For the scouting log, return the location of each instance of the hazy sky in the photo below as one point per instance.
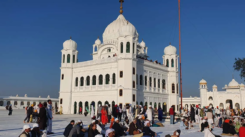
(32, 33)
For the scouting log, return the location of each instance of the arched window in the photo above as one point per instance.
(62, 76)
(73, 59)
(167, 63)
(64, 57)
(158, 83)
(141, 79)
(88, 80)
(177, 86)
(154, 82)
(172, 62)
(61, 101)
(68, 58)
(107, 79)
(100, 80)
(120, 92)
(81, 81)
(210, 98)
(145, 80)
(134, 70)
(133, 84)
(173, 88)
(128, 47)
(113, 78)
(121, 47)
(163, 84)
(133, 47)
(94, 80)
(76, 82)
(150, 82)
(95, 48)
(21, 103)
(15, 103)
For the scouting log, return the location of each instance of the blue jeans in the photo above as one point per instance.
(171, 119)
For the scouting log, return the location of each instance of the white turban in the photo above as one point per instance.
(116, 119)
(93, 121)
(108, 131)
(140, 116)
(26, 127)
(146, 122)
(99, 135)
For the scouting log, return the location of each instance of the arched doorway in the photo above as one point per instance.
(164, 108)
(75, 107)
(92, 104)
(99, 103)
(237, 106)
(221, 106)
(34, 103)
(113, 103)
(186, 106)
(210, 105)
(155, 105)
(28, 103)
(159, 105)
(1, 103)
(229, 104)
(106, 103)
(87, 106)
(15, 103)
(80, 107)
(141, 103)
(146, 104)
(22, 103)
(150, 104)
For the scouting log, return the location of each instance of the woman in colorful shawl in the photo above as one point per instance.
(104, 118)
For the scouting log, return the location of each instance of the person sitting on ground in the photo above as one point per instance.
(147, 131)
(182, 124)
(204, 124)
(35, 132)
(242, 131)
(176, 134)
(110, 133)
(93, 131)
(76, 130)
(119, 131)
(125, 124)
(98, 127)
(26, 131)
(68, 128)
(140, 123)
(232, 128)
(226, 126)
(133, 130)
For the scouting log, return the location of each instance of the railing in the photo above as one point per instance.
(95, 62)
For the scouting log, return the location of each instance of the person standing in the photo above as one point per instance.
(50, 117)
(104, 118)
(29, 113)
(193, 114)
(10, 109)
(109, 113)
(43, 117)
(124, 111)
(160, 114)
(80, 110)
(171, 113)
(149, 114)
(197, 114)
(61, 109)
(120, 113)
(99, 111)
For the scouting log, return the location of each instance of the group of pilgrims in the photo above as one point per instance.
(206, 118)
(118, 120)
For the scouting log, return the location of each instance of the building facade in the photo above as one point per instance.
(232, 97)
(21, 102)
(119, 72)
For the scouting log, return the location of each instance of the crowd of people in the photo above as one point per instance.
(41, 115)
(206, 118)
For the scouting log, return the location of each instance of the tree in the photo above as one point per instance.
(239, 65)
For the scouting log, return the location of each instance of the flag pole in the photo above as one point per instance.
(180, 56)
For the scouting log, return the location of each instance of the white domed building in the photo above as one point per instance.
(119, 72)
(232, 97)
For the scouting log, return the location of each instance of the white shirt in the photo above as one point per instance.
(149, 114)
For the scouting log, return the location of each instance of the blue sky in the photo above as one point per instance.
(32, 34)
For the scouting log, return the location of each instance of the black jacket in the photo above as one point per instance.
(226, 128)
(30, 110)
(148, 132)
(139, 124)
(119, 131)
(35, 134)
(67, 130)
(93, 133)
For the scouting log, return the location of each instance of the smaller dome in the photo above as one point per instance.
(97, 41)
(127, 30)
(70, 45)
(233, 83)
(241, 85)
(170, 50)
(203, 81)
(142, 43)
(214, 86)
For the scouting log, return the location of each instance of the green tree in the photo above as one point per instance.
(239, 65)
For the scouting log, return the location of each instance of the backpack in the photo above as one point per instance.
(196, 111)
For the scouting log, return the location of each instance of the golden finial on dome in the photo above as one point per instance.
(70, 37)
(121, 8)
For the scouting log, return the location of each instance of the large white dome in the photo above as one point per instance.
(233, 83)
(203, 81)
(112, 31)
(170, 50)
(70, 45)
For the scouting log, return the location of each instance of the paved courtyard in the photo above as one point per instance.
(11, 126)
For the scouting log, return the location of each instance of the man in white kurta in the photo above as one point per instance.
(149, 114)
(50, 117)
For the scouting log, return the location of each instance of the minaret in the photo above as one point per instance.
(203, 92)
(67, 82)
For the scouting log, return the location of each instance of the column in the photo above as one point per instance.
(18, 106)
(161, 84)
